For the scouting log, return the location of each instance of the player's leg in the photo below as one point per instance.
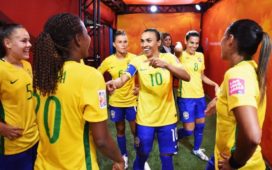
(186, 111)
(199, 128)
(167, 139)
(143, 144)
(131, 117)
(117, 115)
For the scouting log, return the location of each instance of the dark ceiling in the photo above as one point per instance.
(164, 6)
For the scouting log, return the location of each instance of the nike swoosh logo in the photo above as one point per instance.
(12, 82)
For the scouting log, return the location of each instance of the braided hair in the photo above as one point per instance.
(52, 50)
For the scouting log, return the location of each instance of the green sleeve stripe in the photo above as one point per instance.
(180, 88)
(233, 148)
(2, 119)
(87, 148)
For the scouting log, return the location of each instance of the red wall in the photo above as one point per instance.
(33, 13)
(215, 22)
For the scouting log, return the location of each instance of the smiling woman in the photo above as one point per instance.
(155, 71)
(18, 128)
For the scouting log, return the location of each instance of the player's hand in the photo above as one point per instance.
(10, 132)
(136, 91)
(157, 62)
(224, 164)
(111, 86)
(211, 107)
(118, 166)
(178, 47)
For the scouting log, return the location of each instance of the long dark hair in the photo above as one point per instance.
(5, 31)
(52, 50)
(249, 35)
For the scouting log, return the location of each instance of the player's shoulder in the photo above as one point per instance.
(109, 58)
(131, 55)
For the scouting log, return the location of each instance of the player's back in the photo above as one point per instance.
(66, 142)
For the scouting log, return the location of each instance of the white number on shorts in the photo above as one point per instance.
(174, 134)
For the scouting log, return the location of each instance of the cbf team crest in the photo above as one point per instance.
(112, 113)
(185, 115)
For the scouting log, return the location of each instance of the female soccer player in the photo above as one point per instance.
(156, 106)
(72, 105)
(18, 127)
(241, 101)
(122, 103)
(191, 98)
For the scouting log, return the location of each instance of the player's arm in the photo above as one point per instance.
(211, 107)
(177, 70)
(248, 137)
(105, 143)
(9, 131)
(208, 81)
(119, 82)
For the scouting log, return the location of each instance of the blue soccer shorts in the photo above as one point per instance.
(118, 114)
(191, 109)
(167, 138)
(23, 161)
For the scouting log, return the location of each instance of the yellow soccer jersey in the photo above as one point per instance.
(239, 88)
(66, 141)
(124, 96)
(156, 105)
(17, 106)
(194, 65)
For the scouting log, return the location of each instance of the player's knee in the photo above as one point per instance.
(184, 133)
(120, 130)
(199, 127)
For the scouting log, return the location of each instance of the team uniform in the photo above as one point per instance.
(66, 140)
(17, 109)
(239, 88)
(122, 102)
(191, 100)
(156, 105)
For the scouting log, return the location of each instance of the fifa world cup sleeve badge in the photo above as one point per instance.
(102, 99)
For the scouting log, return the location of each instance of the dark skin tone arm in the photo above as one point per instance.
(249, 136)
(10, 132)
(105, 144)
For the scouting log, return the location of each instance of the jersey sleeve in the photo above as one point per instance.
(103, 67)
(240, 90)
(94, 99)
